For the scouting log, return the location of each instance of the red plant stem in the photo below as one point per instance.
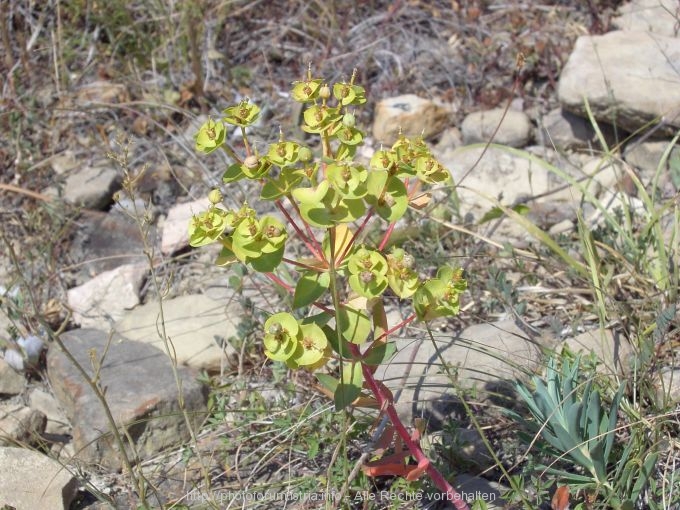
(351, 242)
(403, 323)
(388, 406)
(307, 240)
(386, 237)
(279, 281)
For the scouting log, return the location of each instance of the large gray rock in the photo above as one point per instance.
(510, 127)
(410, 115)
(141, 393)
(32, 480)
(485, 357)
(197, 326)
(658, 16)
(107, 296)
(629, 79)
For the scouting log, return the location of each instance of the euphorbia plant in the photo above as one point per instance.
(326, 198)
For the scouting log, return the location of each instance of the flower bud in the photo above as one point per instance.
(325, 92)
(349, 120)
(305, 154)
(215, 196)
(251, 162)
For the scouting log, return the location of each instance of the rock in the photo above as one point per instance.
(102, 92)
(611, 349)
(57, 422)
(176, 225)
(647, 155)
(413, 115)
(629, 79)
(473, 488)
(141, 393)
(32, 480)
(562, 130)
(64, 162)
(499, 173)
(11, 382)
(511, 178)
(513, 127)
(198, 327)
(658, 16)
(450, 138)
(92, 186)
(106, 296)
(469, 447)
(20, 424)
(668, 387)
(484, 357)
(105, 241)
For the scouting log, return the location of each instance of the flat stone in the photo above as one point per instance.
(105, 297)
(658, 16)
(485, 357)
(92, 187)
(612, 350)
(510, 178)
(57, 422)
(563, 130)
(141, 394)
(512, 128)
(410, 114)
(629, 79)
(647, 155)
(474, 488)
(102, 242)
(668, 386)
(198, 327)
(102, 91)
(32, 480)
(20, 424)
(11, 381)
(176, 225)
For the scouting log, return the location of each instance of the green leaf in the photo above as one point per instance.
(354, 325)
(225, 257)
(284, 184)
(389, 198)
(496, 212)
(310, 287)
(267, 262)
(350, 385)
(233, 173)
(380, 354)
(328, 381)
(342, 348)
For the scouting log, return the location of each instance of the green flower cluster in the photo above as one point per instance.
(440, 296)
(296, 343)
(336, 189)
(259, 242)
